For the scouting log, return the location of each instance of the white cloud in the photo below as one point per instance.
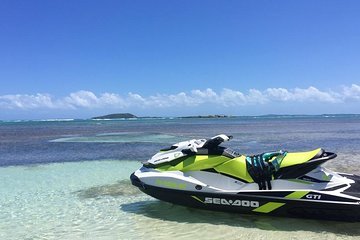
(82, 99)
(279, 94)
(164, 100)
(25, 101)
(207, 95)
(226, 98)
(230, 97)
(310, 94)
(112, 99)
(255, 96)
(352, 92)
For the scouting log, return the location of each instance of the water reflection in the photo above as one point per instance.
(179, 214)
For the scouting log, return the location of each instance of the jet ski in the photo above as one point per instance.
(200, 173)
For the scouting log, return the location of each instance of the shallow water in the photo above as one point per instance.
(95, 200)
(121, 138)
(57, 180)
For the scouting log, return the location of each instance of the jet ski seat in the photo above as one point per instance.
(264, 167)
(301, 157)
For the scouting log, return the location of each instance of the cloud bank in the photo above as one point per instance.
(226, 98)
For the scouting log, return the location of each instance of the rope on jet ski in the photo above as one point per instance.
(262, 170)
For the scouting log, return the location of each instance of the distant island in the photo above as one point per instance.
(129, 115)
(116, 116)
(219, 116)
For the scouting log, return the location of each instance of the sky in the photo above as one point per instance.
(79, 59)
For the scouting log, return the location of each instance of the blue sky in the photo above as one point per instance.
(171, 58)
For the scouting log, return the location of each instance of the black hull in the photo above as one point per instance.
(248, 204)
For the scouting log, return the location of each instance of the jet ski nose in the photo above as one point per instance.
(136, 181)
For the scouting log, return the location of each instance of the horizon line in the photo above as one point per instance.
(206, 116)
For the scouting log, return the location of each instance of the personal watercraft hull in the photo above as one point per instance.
(298, 204)
(200, 173)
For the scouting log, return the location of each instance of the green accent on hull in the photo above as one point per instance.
(235, 167)
(170, 184)
(268, 207)
(297, 194)
(271, 206)
(326, 177)
(196, 198)
(196, 163)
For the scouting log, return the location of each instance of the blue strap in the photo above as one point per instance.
(262, 170)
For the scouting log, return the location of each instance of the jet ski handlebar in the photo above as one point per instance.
(184, 148)
(216, 141)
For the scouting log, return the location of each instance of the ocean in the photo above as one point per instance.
(69, 179)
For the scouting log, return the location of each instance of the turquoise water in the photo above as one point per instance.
(120, 138)
(66, 200)
(70, 179)
(95, 200)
